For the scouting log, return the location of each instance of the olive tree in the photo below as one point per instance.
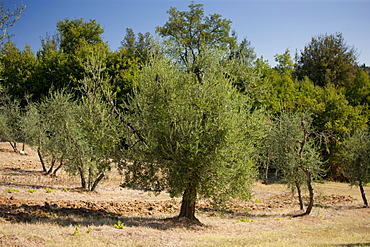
(356, 154)
(10, 121)
(199, 136)
(292, 150)
(97, 136)
(47, 128)
(82, 135)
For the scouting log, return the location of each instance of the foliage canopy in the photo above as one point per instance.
(200, 137)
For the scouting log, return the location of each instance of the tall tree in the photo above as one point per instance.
(78, 39)
(358, 91)
(334, 114)
(53, 71)
(138, 46)
(77, 33)
(192, 34)
(123, 64)
(285, 63)
(200, 137)
(18, 69)
(327, 59)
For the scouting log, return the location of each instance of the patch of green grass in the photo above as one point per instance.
(49, 190)
(12, 190)
(245, 220)
(65, 189)
(31, 191)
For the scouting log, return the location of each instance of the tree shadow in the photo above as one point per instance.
(19, 172)
(82, 216)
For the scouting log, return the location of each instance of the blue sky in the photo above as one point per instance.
(272, 26)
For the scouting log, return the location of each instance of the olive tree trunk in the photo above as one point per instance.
(298, 187)
(363, 194)
(188, 203)
(310, 192)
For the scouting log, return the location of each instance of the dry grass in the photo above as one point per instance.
(336, 220)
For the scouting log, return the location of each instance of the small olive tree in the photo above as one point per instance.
(97, 131)
(356, 155)
(10, 121)
(292, 151)
(200, 135)
(97, 137)
(46, 126)
(82, 136)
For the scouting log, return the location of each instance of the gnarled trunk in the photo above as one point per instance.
(311, 193)
(188, 203)
(97, 181)
(60, 165)
(53, 160)
(299, 195)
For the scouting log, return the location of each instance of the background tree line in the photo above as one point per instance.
(196, 113)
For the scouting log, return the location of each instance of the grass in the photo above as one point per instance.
(348, 227)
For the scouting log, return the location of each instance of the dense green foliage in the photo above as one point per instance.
(200, 137)
(327, 59)
(191, 34)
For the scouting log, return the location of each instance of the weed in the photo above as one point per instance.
(65, 189)
(119, 225)
(76, 231)
(258, 201)
(49, 190)
(278, 219)
(247, 210)
(88, 230)
(245, 220)
(43, 214)
(31, 191)
(12, 190)
(333, 215)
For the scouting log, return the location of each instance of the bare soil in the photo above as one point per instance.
(38, 209)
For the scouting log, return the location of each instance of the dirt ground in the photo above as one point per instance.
(27, 196)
